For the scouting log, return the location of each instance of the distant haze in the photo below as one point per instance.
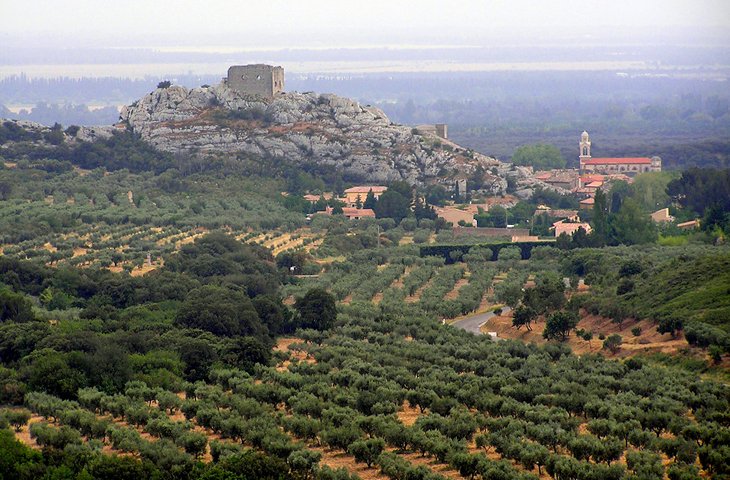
(336, 23)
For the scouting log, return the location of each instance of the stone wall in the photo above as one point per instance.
(263, 80)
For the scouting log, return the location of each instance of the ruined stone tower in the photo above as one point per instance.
(260, 79)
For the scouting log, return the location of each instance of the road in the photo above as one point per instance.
(473, 322)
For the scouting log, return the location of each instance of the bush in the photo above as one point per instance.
(636, 331)
(16, 418)
(613, 343)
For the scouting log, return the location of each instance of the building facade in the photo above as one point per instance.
(627, 165)
(262, 80)
(360, 193)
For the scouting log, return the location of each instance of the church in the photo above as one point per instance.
(628, 165)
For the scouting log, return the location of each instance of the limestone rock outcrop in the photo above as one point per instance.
(303, 128)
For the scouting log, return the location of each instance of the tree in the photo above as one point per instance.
(559, 325)
(613, 343)
(370, 200)
(303, 463)
(317, 310)
(422, 210)
(393, 204)
(548, 294)
(367, 451)
(600, 218)
(339, 437)
(164, 84)
(15, 307)
(532, 455)
(193, 443)
(16, 418)
(50, 372)
(247, 352)
(523, 315)
(539, 156)
(221, 311)
(271, 313)
(113, 467)
(631, 226)
(669, 325)
(699, 188)
(509, 292)
(6, 189)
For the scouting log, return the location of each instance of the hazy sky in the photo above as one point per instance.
(337, 22)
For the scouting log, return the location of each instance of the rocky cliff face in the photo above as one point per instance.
(304, 128)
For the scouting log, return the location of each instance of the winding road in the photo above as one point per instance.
(473, 322)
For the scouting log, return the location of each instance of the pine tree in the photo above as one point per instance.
(370, 200)
(600, 218)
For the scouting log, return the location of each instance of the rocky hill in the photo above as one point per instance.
(307, 128)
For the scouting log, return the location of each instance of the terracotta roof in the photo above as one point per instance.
(594, 184)
(618, 161)
(570, 228)
(690, 224)
(366, 189)
(588, 201)
(558, 213)
(358, 212)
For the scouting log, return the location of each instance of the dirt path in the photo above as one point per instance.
(477, 323)
(408, 414)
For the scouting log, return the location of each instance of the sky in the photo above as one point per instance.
(332, 23)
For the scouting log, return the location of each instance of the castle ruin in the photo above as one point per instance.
(263, 80)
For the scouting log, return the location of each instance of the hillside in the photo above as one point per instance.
(318, 131)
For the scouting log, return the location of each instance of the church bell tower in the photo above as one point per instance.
(585, 149)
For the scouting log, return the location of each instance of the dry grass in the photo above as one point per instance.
(24, 434)
(338, 459)
(295, 355)
(430, 463)
(408, 414)
(649, 341)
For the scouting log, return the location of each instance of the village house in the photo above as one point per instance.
(691, 225)
(570, 228)
(661, 216)
(560, 214)
(567, 179)
(587, 203)
(315, 198)
(455, 214)
(360, 193)
(353, 213)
